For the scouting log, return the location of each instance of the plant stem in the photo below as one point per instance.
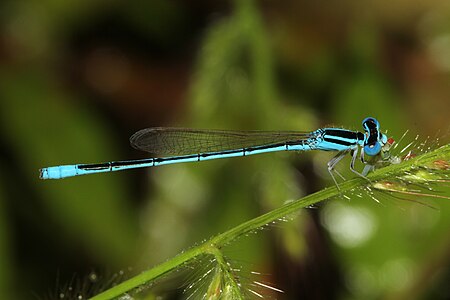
(213, 246)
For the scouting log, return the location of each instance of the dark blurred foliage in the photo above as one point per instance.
(77, 78)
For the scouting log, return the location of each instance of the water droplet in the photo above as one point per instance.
(93, 277)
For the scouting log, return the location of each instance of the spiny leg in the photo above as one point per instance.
(332, 163)
(367, 167)
(352, 164)
(362, 156)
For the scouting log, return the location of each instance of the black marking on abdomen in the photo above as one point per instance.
(102, 166)
(131, 162)
(220, 153)
(173, 158)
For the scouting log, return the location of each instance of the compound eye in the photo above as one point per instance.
(372, 149)
(370, 124)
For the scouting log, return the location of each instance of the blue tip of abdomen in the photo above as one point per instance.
(58, 172)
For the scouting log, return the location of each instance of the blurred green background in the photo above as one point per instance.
(77, 78)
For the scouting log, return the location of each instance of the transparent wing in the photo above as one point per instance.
(181, 141)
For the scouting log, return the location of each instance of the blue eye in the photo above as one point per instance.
(370, 124)
(372, 149)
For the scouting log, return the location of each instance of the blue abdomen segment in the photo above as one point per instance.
(59, 172)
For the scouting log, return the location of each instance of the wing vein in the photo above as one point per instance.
(182, 141)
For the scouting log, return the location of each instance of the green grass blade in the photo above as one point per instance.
(434, 161)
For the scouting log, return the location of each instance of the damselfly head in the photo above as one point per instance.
(374, 139)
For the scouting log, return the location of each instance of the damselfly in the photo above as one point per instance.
(179, 145)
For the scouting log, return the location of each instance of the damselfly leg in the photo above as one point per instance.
(333, 162)
(354, 154)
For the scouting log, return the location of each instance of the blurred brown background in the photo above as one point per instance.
(77, 78)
